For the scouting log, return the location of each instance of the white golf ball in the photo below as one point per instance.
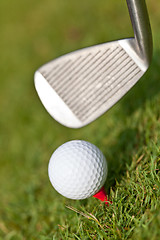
(77, 169)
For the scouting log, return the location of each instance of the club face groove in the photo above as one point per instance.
(79, 87)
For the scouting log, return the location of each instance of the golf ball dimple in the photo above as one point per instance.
(77, 169)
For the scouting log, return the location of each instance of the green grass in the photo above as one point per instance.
(32, 33)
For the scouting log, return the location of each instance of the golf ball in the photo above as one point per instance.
(77, 169)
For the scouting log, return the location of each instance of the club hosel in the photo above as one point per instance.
(141, 26)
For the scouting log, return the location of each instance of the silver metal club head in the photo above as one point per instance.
(80, 86)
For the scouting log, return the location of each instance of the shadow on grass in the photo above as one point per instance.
(130, 141)
(121, 155)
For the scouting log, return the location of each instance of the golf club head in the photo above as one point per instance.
(80, 86)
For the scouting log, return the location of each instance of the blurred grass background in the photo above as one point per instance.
(31, 34)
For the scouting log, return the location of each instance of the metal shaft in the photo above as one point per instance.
(141, 26)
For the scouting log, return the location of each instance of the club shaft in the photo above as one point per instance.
(141, 26)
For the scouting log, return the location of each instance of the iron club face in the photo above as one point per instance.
(80, 86)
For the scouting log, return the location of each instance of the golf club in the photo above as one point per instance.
(80, 86)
